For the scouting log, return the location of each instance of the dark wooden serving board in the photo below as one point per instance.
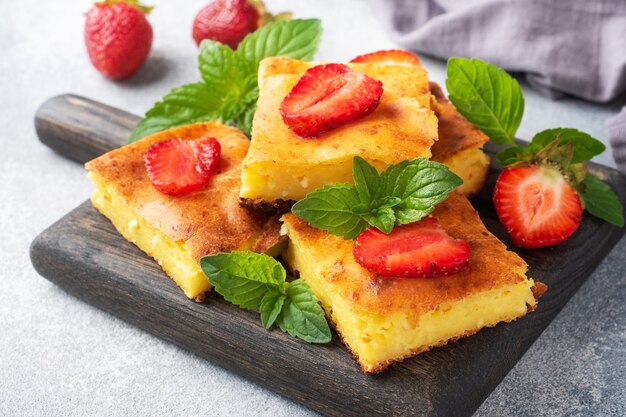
(84, 254)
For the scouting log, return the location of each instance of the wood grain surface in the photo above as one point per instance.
(84, 254)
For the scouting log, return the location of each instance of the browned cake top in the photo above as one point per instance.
(402, 127)
(208, 221)
(491, 266)
(456, 134)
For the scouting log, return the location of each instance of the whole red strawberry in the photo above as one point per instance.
(225, 21)
(118, 37)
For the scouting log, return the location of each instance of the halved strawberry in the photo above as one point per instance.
(178, 166)
(420, 249)
(328, 96)
(391, 56)
(537, 206)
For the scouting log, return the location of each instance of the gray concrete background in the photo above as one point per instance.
(60, 357)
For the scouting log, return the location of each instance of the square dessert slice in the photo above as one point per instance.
(282, 166)
(384, 320)
(460, 144)
(178, 230)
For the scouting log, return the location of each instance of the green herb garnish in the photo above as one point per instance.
(403, 193)
(492, 100)
(228, 90)
(255, 281)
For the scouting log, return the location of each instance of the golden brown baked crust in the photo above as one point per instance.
(402, 127)
(207, 221)
(456, 134)
(491, 266)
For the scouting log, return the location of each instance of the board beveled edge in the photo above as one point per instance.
(83, 254)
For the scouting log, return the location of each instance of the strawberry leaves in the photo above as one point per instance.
(403, 193)
(228, 90)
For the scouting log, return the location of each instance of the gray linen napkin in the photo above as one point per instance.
(575, 47)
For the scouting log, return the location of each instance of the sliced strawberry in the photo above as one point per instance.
(537, 206)
(420, 249)
(391, 56)
(328, 96)
(178, 166)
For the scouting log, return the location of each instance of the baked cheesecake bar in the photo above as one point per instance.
(383, 320)
(281, 166)
(460, 144)
(178, 230)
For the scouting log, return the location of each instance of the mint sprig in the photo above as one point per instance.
(492, 100)
(486, 96)
(228, 90)
(600, 201)
(403, 193)
(256, 281)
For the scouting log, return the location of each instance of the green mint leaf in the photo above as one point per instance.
(510, 155)
(420, 185)
(189, 103)
(330, 208)
(301, 316)
(585, 146)
(244, 278)
(487, 96)
(229, 89)
(296, 39)
(271, 305)
(244, 120)
(403, 193)
(365, 179)
(601, 201)
(228, 75)
(383, 219)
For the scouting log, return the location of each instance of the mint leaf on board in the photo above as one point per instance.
(229, 90)
(256, 281)
(487, 96)
(600, 201)
(330, 208)
(585, 146)
(243, 278)
(296, 39)
(189, 103)
(302, 316)
(403, 193)
(271, 305)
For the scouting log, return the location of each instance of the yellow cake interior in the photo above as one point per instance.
(174, 257)
(178, 230)
(471, 165)
(386, 320)
(282, 166)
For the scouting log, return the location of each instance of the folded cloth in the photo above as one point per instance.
(575, 47)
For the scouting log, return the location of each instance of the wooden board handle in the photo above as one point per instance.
(82, 129)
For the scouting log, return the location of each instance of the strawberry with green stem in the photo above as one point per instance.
(118, 37)
(229, 21)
